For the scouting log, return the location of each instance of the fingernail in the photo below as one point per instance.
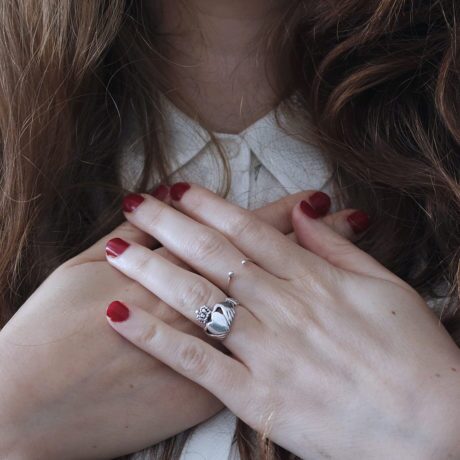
(177, 190)
(359, 221)
(116, 247)
(308, 210)
(161, 192)
(117, 312)
(321, 203)
(131, 202)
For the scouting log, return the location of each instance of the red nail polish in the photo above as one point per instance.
(359, 221)
(161, 192)
(131, 202)
(116, 247)
(308, 210)
(177, 190)
(117, 312)
(320, 202)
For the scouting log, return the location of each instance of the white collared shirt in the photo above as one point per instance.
(266, 163)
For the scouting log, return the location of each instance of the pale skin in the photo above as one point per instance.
(333, 356)
(218, 61)
(71, 388)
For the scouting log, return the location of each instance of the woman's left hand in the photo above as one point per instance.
(332, 355)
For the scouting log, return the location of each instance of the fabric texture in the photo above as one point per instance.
(268, 160)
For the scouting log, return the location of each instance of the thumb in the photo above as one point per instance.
(319, 238)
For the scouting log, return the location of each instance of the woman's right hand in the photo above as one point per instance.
(72, 388)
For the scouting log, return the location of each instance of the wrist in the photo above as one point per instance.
(18, 444)
(446, 433)
(13, 446)
(441, 420)
(20, 437)
(429, 425)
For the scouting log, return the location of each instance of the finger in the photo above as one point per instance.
(278, 214)
(344, 223)
(203, 248)
(262, 243)
(322, 240)
(189, 356)
(124, 231)
(348, 223)
(163, 252)
(181, 289)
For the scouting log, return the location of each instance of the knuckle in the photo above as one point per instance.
(207, 244)
(148, 334)
(192, 358)
(342, 250)
(169, 256)
(153, 217)
(242, 223)
(195, 294)
(331, 220)
(316, 283)
(141, 264)
(337, 223)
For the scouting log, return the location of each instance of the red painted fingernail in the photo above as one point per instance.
(308, 210)
(359, 221)
(131, 202)
(116, 247)
(320, 202)
(161, 192)
(117, 312)
(177, 190)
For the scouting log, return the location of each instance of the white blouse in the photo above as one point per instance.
(267, 162)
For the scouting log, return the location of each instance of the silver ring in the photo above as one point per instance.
(246, 261)
(218, 320)
(231, 275)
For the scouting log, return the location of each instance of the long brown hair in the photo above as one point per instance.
(379, 80)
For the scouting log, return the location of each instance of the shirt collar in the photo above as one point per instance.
(276, 136)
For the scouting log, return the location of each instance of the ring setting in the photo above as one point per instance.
(218, 319)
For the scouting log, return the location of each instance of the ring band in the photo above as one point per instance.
(231, 274)
(218, 320)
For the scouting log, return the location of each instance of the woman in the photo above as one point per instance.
(329, 351)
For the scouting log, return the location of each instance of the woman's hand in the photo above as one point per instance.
(333, 355)
(70, 388)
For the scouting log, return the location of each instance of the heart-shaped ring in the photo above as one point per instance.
(218, 320)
